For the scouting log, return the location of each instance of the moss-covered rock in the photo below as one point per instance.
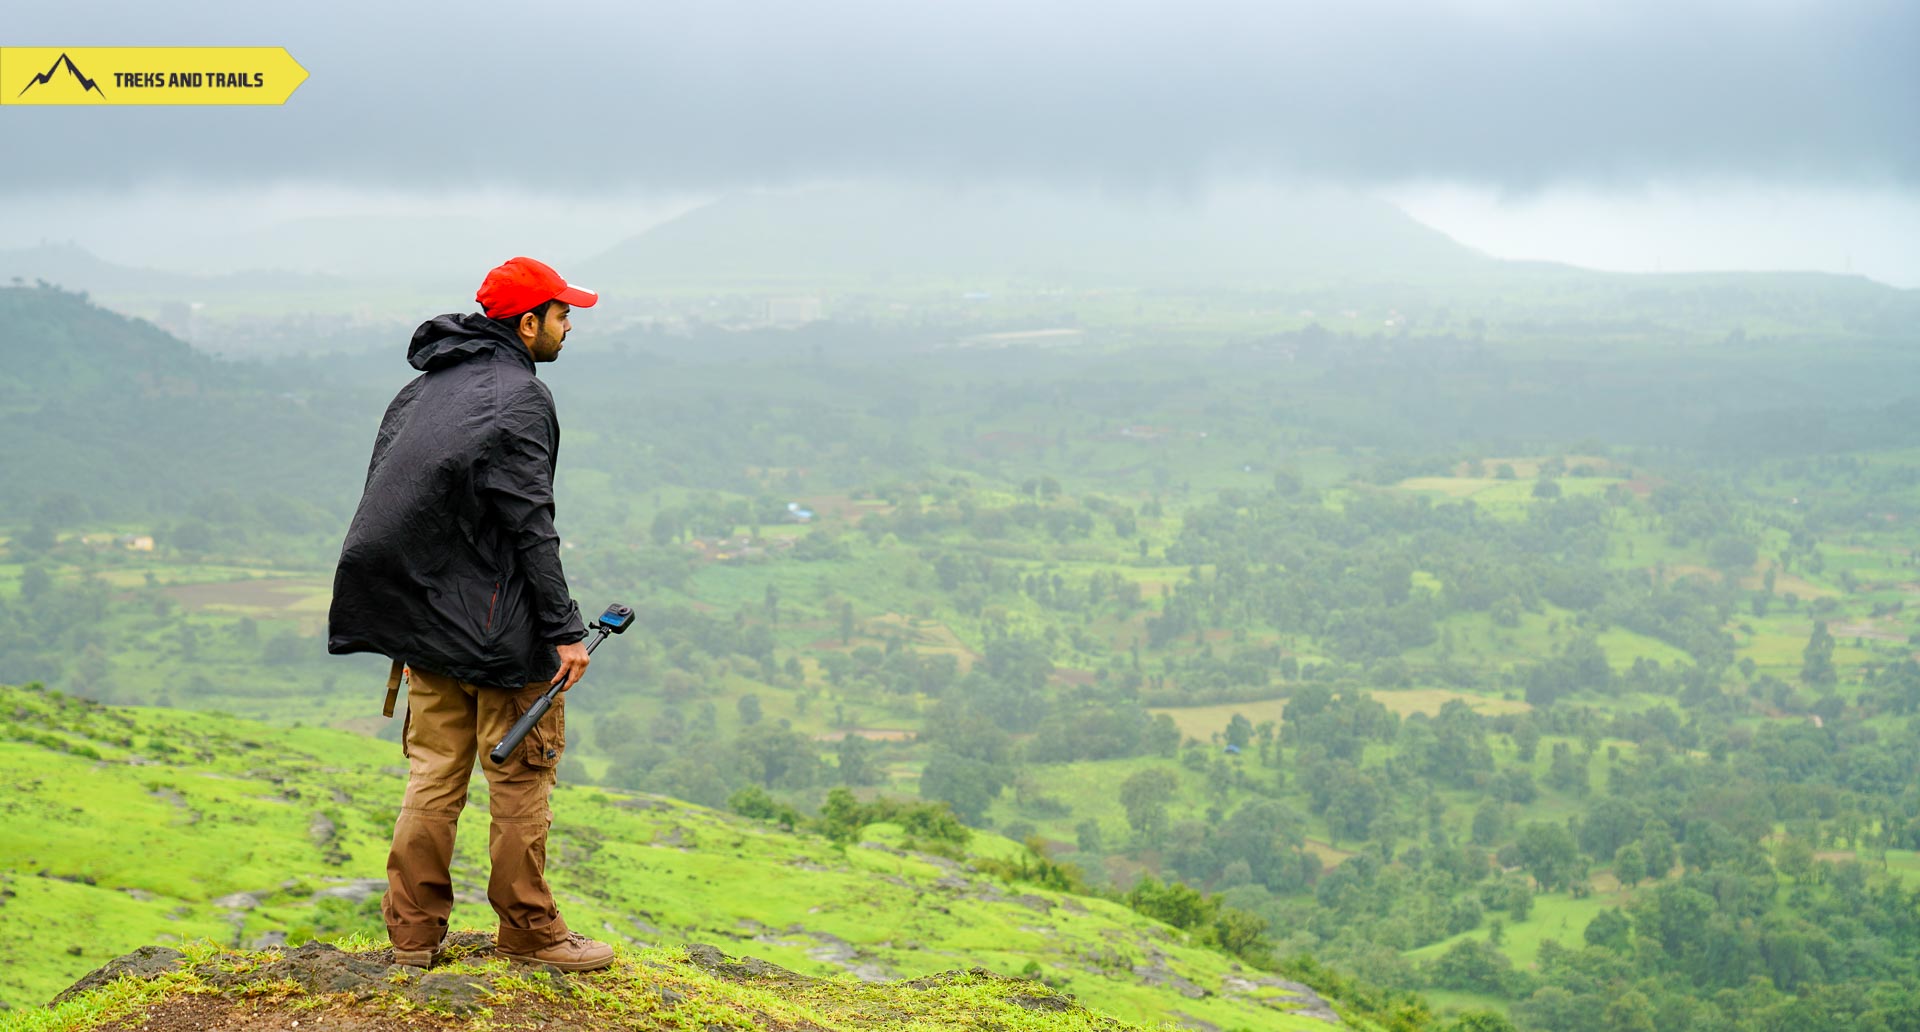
(355, 987)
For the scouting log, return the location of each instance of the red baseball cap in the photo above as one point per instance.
(521, 285)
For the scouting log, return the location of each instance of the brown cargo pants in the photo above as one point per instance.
(449, 724)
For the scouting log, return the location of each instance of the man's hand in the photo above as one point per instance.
(573, 664)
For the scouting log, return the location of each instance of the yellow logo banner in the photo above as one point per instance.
(148, 75)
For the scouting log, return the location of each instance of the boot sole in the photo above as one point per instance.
(563, 965)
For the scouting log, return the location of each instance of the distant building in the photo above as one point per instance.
(135, 542)
(796, 513)
(727, 549)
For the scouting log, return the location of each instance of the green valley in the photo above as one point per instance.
(1543, 659)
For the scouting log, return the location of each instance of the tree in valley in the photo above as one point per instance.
(1816, 663)
(1145, 795)
(1549, 854)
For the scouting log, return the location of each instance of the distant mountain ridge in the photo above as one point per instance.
(880, 238)
(73, 267)
(894, 235)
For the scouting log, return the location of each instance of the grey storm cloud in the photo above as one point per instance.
(702, 94)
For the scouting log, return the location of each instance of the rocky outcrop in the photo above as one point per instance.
(318, 985)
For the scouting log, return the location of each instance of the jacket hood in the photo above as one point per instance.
(447, 340)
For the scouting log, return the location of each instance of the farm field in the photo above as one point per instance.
(1204, 722)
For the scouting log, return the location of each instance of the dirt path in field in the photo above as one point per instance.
(872, 734)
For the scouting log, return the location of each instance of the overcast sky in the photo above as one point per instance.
(1625, 133)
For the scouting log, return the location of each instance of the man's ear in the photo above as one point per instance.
(529, 326)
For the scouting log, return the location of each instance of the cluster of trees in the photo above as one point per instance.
(1289, 563)
(1714, 951)
(1735, 922)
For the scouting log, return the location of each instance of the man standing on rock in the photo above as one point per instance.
(452, 567)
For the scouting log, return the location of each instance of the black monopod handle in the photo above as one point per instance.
(539, 709)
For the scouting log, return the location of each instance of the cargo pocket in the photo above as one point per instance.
(546, 742)
(542, 747)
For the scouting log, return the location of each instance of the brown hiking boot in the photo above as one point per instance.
(576, 952)
(419, 958)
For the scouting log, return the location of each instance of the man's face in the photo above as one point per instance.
(552, 332)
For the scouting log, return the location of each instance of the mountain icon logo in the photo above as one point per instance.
(47, 76)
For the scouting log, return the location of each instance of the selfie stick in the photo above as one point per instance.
(615, 620)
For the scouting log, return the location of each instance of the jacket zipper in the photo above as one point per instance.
(491, 599)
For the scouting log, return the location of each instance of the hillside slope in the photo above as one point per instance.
(129, 827)
(129, 420)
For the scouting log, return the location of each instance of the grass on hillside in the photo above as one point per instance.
(1555, 915)
(130, 844)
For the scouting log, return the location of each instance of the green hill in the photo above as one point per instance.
(130, 827)
(127, 420)
(59, 348)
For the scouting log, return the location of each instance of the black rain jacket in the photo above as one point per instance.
(451, 563)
